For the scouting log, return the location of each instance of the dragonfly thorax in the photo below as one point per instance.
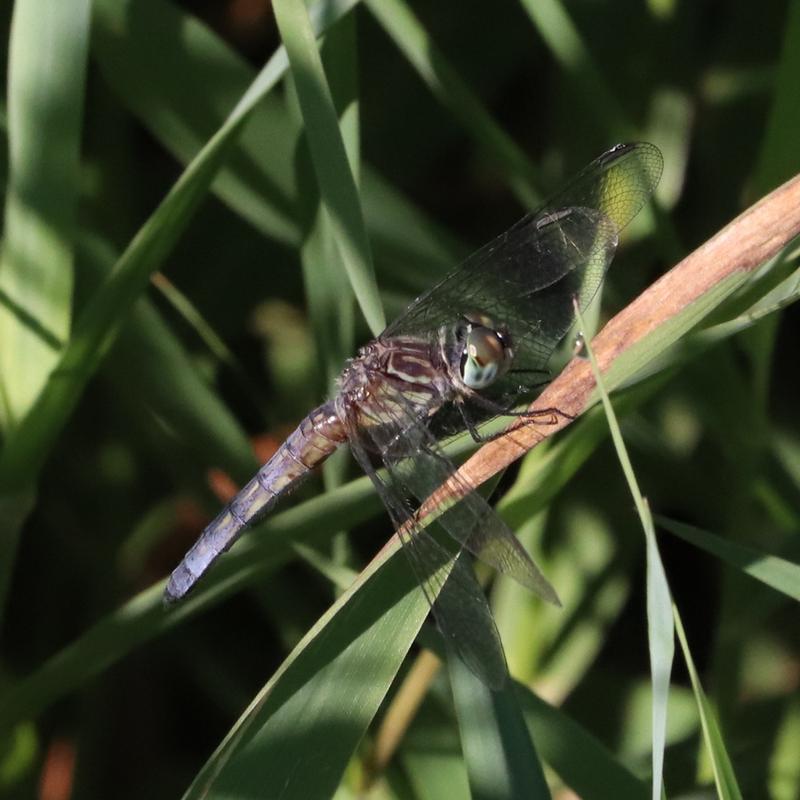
(393, 376)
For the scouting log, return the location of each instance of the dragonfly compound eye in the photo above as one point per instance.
(484, 359)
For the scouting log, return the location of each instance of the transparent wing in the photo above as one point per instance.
(416, 466)
(526, 278)
(447, 580)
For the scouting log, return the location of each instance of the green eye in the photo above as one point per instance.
(484, 359)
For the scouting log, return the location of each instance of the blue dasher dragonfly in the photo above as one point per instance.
(471, 348)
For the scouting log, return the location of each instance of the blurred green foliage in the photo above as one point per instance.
(455, 118)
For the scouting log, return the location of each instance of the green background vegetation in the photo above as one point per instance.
(172, 302)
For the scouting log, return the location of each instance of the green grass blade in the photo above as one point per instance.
(47, 68)
(47, 73)
(409, 243)
(30, 442)
(180, 80)
(331, 310)
(143, 617)
(580, 759)
(661, 635)
(432, 764)
(167, 383)
(786, 450)
(500, 757)
(779, 157)
(724, 776)
(558, 648)
(570, 50)
(661, 641)
(14, 509)
(447, 85)
(132, 42)
(212, 341)
(780, 574)
(331, 686)
(169, 386)
(333, 170)
(784, 781)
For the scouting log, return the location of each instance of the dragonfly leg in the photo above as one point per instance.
(542, 416)
(503, 411)
(552, 414)
(476, 435)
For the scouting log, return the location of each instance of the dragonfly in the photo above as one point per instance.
(474, 347)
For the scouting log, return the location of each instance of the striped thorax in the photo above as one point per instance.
(390, 378)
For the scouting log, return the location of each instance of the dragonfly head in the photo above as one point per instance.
(484, 351)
